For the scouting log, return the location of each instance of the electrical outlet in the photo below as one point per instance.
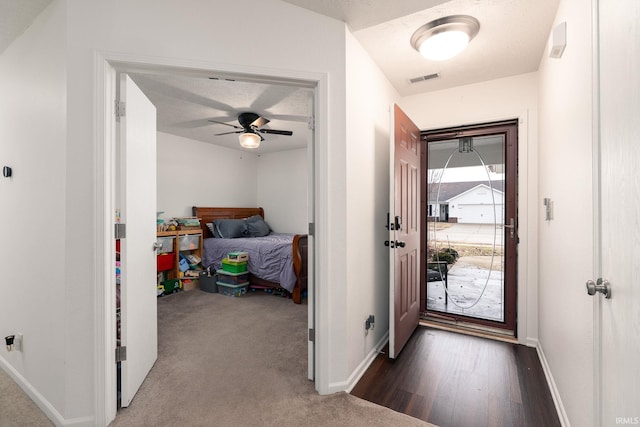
(369, 324)
(14, 342)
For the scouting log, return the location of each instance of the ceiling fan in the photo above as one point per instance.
(250, 129)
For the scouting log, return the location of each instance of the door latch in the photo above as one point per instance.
(396, 225)
(512, 227)
(602, 285)
(395, 244)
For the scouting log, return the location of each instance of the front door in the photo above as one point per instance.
(137, 201)
(617, 327)
(470, 253)
(404, 231)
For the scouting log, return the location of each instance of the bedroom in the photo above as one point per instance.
(197, 122)
(198, 167)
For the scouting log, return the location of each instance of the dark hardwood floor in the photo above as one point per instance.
(455, 380)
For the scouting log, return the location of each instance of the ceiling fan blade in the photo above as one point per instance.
(276, 132)
(259, 122)
(228, 133)
(226, 124)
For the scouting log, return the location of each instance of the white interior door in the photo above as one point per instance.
(404, 231)
(311, 197)
(137, 198)
(619, 325)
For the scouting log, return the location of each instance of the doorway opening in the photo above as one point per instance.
(107, 300)
(469, 222)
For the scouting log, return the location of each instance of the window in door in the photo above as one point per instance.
(469, 248)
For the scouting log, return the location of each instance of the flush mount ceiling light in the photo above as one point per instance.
(249, 139)
(446, 37)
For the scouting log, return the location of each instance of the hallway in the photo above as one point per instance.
(455, 380)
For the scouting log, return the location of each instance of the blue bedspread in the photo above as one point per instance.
(270, 257)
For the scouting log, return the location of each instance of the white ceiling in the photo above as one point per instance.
(512, 39)
(16, 16)
(185, 104)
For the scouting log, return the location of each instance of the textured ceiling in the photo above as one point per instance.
(359, 14)
(185, 104)
(16, 16)
(512, 39)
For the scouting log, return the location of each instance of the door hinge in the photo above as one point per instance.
(312, 229)
(312, 335)
(121, 354)
(120, 230)
(121, 109)
(312, 123)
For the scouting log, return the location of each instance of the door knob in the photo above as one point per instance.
(156, 246)
(602, 285)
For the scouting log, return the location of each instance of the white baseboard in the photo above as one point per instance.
(364, 365)
(555, 394)
(41, 402)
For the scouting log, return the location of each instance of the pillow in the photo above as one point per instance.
(212, 228)
(256, 227)
(230, 228)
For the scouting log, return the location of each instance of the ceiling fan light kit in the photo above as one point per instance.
(250, 129)
(249, 140)
(446, 37)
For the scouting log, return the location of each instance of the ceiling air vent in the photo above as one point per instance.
(423, 78)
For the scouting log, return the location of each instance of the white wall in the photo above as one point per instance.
(34, 248)
(282, 190)
(369, 97)
(55, 147)
(566, 242)
(508, 98)
(194, 173)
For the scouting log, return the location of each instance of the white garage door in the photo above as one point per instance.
(480, 214)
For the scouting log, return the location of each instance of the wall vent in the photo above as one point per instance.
(423, 78)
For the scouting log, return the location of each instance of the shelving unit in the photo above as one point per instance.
(186, 241)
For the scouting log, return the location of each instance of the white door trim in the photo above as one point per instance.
(597, 266)
(105, 65)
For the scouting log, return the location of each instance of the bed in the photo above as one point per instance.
(284, 255)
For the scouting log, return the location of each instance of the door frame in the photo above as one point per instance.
(512, 135)
(106, 67)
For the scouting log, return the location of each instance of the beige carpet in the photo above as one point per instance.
(240, 362)
(16, 408)
(225, 362)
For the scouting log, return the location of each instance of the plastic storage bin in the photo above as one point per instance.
(238, 256)
(189, 241)
(208, 283)
(233, 267)
(189, 284)
(233, 278)
(232, 290)
(165, 261)
(166, 244)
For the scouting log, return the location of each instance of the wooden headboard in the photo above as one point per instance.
(207, 215)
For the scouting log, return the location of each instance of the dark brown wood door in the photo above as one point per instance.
(404, 224)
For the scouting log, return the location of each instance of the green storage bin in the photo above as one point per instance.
(234, 267)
